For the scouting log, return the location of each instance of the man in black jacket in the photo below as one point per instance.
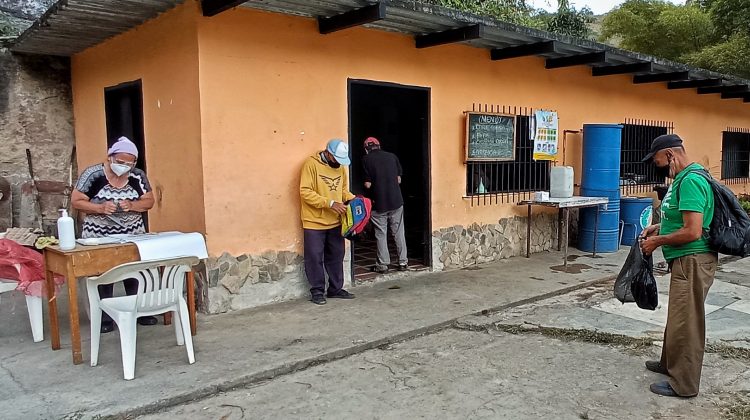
(383, 178)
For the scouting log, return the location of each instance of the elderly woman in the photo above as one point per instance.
(114, 195)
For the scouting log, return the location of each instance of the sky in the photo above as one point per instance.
(597, 6)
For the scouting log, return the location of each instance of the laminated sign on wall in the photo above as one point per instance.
(544, 132)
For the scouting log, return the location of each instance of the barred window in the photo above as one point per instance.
(637, 135)
(508, 181)
(735, 155)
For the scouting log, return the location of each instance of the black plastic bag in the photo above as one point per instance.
(636, 282)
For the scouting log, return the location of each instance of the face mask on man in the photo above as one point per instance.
(119, 169)
(332, 163)
(664, 171)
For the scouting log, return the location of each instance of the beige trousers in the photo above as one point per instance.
(685, 333)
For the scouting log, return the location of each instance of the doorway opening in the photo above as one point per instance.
(123, 110)
(399, 117)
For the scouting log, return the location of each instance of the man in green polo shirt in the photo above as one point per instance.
(686, 211)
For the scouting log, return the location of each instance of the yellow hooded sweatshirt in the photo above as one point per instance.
(319, 186)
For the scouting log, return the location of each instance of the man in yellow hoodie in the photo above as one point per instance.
(324, 190)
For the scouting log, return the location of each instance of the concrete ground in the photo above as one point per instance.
(327, 347)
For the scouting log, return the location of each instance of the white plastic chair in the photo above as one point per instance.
(33, 305)
(160, 285)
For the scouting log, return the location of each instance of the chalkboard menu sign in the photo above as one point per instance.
(490, 137)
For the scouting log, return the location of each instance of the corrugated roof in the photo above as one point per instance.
(71, 26)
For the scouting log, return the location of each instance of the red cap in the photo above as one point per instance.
(371, 141)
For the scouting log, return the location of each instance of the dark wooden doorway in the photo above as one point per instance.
(399, 116)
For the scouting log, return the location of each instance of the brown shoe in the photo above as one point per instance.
(655, 366)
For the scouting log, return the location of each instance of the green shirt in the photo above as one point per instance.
(695, 195)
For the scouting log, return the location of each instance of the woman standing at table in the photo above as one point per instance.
(114, 195)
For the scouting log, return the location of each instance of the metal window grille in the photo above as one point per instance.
(735, 156)
(637, 135)
(512, 181)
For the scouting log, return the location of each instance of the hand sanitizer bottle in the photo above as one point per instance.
(66, 231)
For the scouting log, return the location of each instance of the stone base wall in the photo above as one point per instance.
(460, 246)
(246, 281)
(231, 282)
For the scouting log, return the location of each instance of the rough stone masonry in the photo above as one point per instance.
(245, 281)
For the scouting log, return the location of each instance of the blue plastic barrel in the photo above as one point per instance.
(600, 177)
(636, 214)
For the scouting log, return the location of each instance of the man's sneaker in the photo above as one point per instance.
(403, 267)
(318, 299)
(341, 294)
(380, 269)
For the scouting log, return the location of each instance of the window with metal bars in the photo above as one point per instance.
(637, 135)
(508, 181)
(735, 155)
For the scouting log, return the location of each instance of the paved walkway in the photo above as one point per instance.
(595, 308)
(249, 346)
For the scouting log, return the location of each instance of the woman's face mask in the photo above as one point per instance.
(119, 168)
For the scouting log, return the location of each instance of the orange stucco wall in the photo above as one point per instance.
(248, 95)
(163, 53)
(273, 91)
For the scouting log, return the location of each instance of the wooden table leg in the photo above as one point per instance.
(54, 323)
(167, 318)
(75, 326)
(191, 302)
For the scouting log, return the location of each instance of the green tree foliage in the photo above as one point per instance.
(730, 57)
(730, 17)
(513, 11)
(568, 20)
(658, 28)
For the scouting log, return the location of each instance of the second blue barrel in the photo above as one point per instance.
(636, 214)
(600, 177)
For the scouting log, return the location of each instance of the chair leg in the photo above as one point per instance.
(96, 331)
(128, 332)
(178, 328)
(36, 318)
(184, 317)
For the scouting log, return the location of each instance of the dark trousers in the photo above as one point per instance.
(106, 290)
(324, 253)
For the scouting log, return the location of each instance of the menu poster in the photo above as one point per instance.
(545, 135)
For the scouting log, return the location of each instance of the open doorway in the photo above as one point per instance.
(398, 116)
(123, 110)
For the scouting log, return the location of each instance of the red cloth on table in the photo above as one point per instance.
(31, 276)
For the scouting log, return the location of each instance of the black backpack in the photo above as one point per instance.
(729, 232)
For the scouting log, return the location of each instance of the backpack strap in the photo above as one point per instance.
(703, 172)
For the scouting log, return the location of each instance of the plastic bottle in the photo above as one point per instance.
(66, 231)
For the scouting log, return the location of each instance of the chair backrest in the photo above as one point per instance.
(160, 282)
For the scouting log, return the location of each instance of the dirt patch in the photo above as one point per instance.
(571, 268)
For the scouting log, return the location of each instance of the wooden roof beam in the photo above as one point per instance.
(352, 18)
(696, 83)
(214, 7)
(661, 77)
(735, 95)
(577, 60)
(722, 89)
(450, 36)
(524, 50)
(622, 69)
